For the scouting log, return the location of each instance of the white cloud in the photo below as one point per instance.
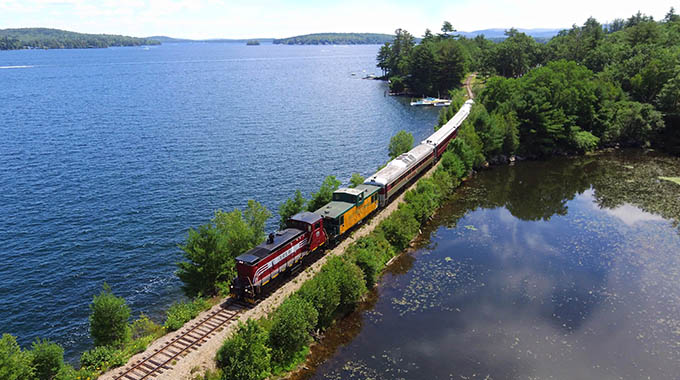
(276, 18)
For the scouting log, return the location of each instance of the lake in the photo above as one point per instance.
(563, 269)
(110, 155)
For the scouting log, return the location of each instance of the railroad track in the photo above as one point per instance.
(191, 337)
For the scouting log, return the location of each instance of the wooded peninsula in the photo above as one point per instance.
(44, 38)
(336, 39)
(592, 86)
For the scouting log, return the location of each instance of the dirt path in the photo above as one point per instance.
(197, 361)
(468, 88)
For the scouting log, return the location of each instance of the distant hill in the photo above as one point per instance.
(499, 33)
(43, 38)
(336, 39)
(541, 35)
(165, 39)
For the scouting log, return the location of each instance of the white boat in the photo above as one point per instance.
(432, 102)
(424, 102)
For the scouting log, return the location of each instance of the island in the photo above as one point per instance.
(44, 38)
(336, 39)
(252, 43)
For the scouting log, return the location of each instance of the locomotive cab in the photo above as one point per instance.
(281, 251)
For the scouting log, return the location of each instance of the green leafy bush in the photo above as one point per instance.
(180, 313)
(245, 356)
(424, 199)
(108, 318)
(400, 227)
(210, 250)
(465, 152)
(370, 265)
(291, 207)
(469, 137)
(15, 364)
(100, 358)
(348, 278)
(48, 359)
(356, 180)
(445, 181)
(144, 327)
(584, 141)
(67, 372)
(324, 294)
(325, 193)
(289, 332)
(400, 143)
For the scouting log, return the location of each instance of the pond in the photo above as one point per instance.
(561, 269)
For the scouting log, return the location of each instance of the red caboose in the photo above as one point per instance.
(282, 250)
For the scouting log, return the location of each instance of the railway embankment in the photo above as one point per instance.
(191, 351)
(202, 358)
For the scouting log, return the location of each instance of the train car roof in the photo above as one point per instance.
(368, 189)
(395, 168)
(448, 128)
(306, 217)
(334, 209)
(263, 250)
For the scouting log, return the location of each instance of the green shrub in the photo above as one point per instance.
(454, 165)
(356, 180)
(400, 143)
(245, 356)
(325, 193)
(324, 294)
(400, 227)
(377, 244)
(370, 265)
(584, 141)
(15, 364)
(100, 358)
(446, 182)
(180, 313)
(108, 318)
(48, 359)
(469, 136)
(291, 207)
(210, 250)
(67, 372)
(424, 199)
(465, 152)
(144, 327)
(291, 325)
(349, 279)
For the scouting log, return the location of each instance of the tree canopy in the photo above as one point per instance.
(590, 86)
(400, 143)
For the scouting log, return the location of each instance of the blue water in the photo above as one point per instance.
(108, 156)
(536, 271)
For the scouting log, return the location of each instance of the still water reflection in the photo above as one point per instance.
(567, 269)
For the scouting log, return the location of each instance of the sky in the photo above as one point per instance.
(198, 19)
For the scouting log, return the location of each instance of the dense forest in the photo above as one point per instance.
(589, 87)
(43, 38)
(336, 39)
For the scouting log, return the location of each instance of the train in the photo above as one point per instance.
(309, 232)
